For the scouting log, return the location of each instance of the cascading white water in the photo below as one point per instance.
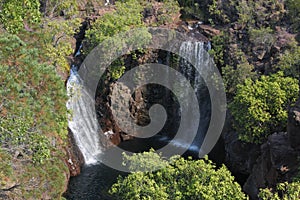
(82, 120)
(197, 53)
(194, 51)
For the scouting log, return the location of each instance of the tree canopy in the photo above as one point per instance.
(260, 107)
(177, 178)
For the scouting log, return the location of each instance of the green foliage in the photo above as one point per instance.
(262, 36)
(260, 107)
(166, 12)
(6, 170)
(177, 179)
(262, 40)
(293, 10)
(126, 16)
(259, 13)
(32, 107)
(233, 77)
(284, 191)
(216, 11)
(54, 8)
(147, 161)
(217, 51)
(51, 179)
(192, 9)
(117, 69)
(290, 62)
(15, 14)
(57, 37)
(245, 12)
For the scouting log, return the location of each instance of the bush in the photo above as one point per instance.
(126, 16)
(290, 62)
(283, 191)
(179, 179)
(234, 77)
(260, 107)
(293, 9)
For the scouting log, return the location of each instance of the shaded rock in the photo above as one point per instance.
(293, 127)
(74, 159)
(277, 163)
(208, 30)
(240, 156)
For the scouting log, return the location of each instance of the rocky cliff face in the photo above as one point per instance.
(274, 161)
(74, 159)
(294, 126)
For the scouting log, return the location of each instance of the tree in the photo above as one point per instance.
(177, 178)
(260, 107)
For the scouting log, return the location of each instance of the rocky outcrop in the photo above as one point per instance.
(278, 160)
(277, 163)
(74, 159)
(240, 157)
(268, 164)
(294, 126)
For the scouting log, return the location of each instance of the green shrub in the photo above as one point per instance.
(218, 46)
(233, 77)
(283, 191)
(179, 179)
(126, 16)
(293, 10)
(260, 107)
(193, 9)
(290, 62)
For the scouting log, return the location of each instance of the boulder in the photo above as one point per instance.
(294, 126)
(74, 159)
(277, 163)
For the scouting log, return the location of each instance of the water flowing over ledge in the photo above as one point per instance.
(82, 119)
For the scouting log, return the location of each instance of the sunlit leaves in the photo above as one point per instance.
(16, 14)
(283, 191)
(179, 179)
(260, 107)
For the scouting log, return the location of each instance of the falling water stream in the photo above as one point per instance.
(82, 119)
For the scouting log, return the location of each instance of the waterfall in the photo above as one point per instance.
(197, 53)
(82, 120)
(84, 124)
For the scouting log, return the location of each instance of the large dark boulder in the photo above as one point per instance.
(277, 163)
(294, 126)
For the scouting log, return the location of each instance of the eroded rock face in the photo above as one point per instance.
(278, 161)
(294, 126)
(74, 158)
(240, 156)
(268, 164)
